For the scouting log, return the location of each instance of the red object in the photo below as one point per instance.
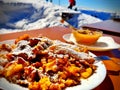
(72, 2)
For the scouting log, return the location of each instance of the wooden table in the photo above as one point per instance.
(109, 27)
(112, 80)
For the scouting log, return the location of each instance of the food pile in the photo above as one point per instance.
(44, 64)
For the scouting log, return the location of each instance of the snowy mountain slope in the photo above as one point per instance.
(34, 14)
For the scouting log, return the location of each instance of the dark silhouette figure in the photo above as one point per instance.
(72, 3)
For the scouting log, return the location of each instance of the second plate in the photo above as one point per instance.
(104, 43)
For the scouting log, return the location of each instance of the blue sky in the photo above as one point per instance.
(104, 5)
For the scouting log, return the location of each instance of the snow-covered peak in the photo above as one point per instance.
(35, 14)
(23, 1)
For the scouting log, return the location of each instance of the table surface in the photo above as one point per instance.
(112, 80)
(108, 26)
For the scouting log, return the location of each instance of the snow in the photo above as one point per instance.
(39, 14)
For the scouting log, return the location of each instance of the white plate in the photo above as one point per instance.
(86, 84)
(104, 43)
